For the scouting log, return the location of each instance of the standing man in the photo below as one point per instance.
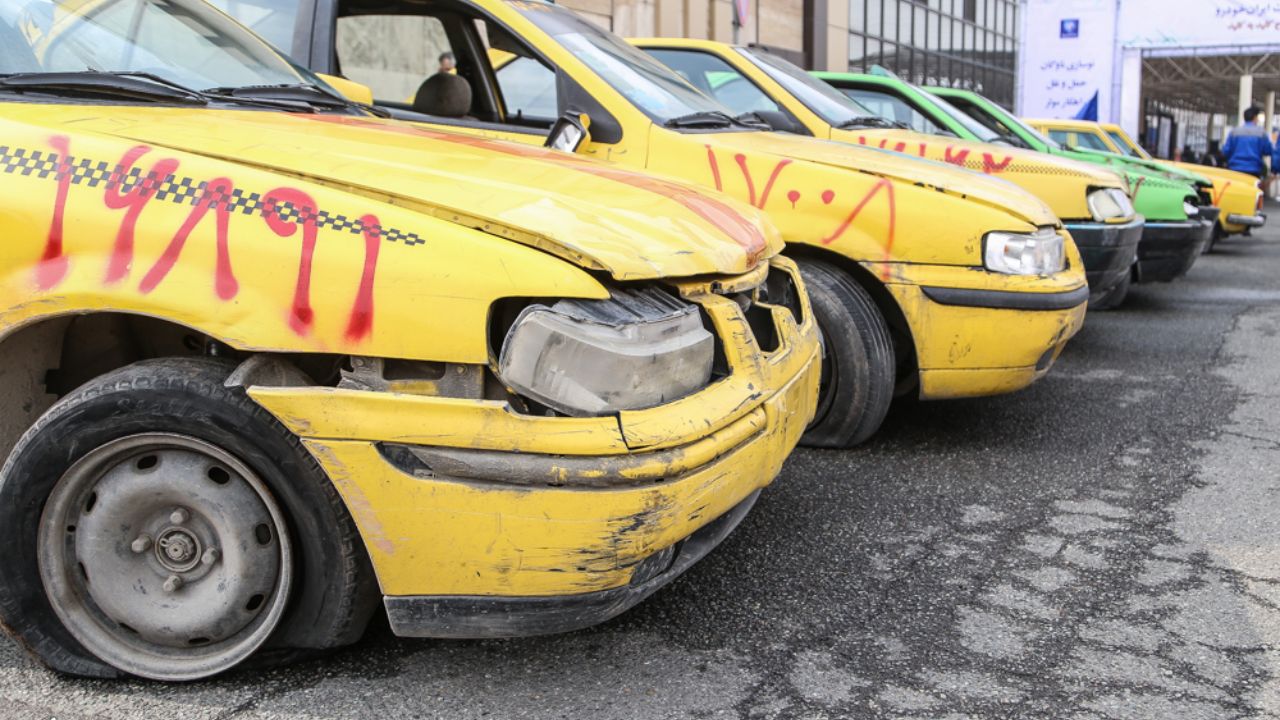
(1248, 145)
(447, 62)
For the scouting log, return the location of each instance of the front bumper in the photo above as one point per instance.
(1169, 249)
(1246, 221)
(978, 333)
(527, 524)
(1108, 252)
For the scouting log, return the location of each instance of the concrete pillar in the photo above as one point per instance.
(1130, 100)
(1246, 97)
(722, 20)
(837, 59)
(697, 19)
(1270, 109)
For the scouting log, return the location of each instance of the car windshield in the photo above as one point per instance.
(1122, 141)
(980, 131)
(828, 103)
(179, 41)
(1012, 124)
(651, 86)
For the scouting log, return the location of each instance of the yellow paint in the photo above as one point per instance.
(351, 89)
(1061, 183)
(1236, 193)
(942, 211)
(455, 225)
(434, 536)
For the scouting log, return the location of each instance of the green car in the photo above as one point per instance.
(1108, 253)
(1178, 207)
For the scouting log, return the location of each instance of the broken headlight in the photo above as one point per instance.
(638, 349)
(1039, 253)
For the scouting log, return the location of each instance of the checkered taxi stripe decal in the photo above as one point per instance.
(179, 190)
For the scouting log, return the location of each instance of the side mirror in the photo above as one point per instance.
(780, 121)
(351, 90)
(569, 132)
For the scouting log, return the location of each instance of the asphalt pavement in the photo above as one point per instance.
(1105, 544)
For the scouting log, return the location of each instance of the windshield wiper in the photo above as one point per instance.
(133, 86)
(705, 118)
(753, 120)
(312, 95)
(871, 121)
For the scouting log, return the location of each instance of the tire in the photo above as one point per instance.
(858, 369)
(1217, 234)
(232, 463)
(1114, 297)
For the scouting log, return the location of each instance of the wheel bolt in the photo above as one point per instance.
(210, 556)
(172, 584)
(141, 544)
(179, 516)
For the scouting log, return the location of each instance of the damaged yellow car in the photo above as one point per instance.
(927, 280)
(270, 362)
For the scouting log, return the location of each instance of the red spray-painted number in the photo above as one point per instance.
(216, 194)
(301, 316)
(361, 322)
(52, 266)
(132, 203)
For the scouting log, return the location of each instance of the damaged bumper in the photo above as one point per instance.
(979, 333)
(1169, 249)
(483, 522)
(1108, 252)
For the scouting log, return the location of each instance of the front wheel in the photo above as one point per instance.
(858, 369)
(162, 525)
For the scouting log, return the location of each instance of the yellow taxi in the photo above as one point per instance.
(1091, 201)
(927, 279)
(273, 363)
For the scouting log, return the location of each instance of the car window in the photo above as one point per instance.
(1123, 143)
(650, 86)
(1000, 121)
(1083, 140)
(717, 78)
(1090, 141)
(980, 131)
(828, 103)
(392, 54)
(529, 89)
(183, 41)
(890, 106)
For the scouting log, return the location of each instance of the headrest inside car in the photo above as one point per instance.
(443, 95)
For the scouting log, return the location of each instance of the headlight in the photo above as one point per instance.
(1040, 253)
(1109, 203)
(637, 349)
(1190, 209)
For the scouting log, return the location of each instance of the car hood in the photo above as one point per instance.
(630, 225)
(895, 166)
(990, 157)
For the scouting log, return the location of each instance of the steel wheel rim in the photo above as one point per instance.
(165, 556)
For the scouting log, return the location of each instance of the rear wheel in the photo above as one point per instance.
(162, 525)
(858, 370)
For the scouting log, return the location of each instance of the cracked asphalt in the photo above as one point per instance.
(1105, 544)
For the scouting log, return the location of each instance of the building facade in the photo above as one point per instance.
(970, 44)
(962, 43)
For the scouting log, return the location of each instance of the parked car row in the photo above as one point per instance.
(299, 327)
